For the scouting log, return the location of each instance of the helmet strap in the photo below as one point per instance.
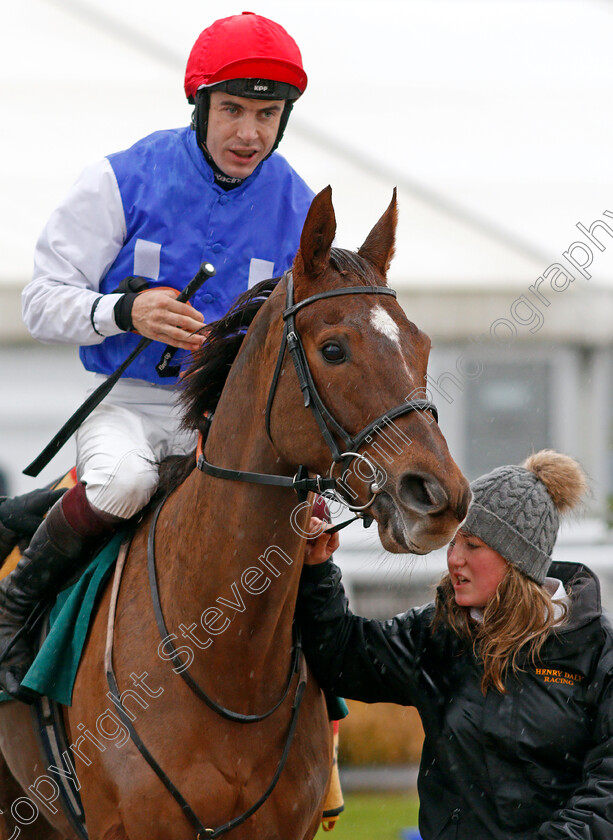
(226, 182)
(200, 116)
(200, 123)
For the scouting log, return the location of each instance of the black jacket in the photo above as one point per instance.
(535, 763)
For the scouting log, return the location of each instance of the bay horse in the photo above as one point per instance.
(329, 356)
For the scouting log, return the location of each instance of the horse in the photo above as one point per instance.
(202, 719)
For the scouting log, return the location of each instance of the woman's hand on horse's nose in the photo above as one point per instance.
(158, 315)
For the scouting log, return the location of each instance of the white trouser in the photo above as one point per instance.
(120, 444)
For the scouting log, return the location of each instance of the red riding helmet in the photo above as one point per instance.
(245, 46)
(246, 55)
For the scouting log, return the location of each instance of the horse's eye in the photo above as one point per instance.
(333, 353)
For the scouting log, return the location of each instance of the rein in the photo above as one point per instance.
(298, 666)
(236, 717)
(302, 483)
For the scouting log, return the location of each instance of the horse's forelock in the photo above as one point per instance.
(349, 262)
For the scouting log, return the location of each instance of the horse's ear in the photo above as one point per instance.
(317, 237)
(379, 245)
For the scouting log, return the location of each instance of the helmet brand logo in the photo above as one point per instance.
(260, 87)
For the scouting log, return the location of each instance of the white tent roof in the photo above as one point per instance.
(491, 117)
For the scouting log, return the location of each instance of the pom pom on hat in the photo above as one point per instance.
(562, 476)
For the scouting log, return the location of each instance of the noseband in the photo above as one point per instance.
(328, 425)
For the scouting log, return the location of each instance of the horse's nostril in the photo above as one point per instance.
(422, 493)
(413, 488)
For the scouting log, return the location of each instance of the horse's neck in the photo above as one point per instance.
(238, 564)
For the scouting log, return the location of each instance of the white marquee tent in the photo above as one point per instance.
(492, 117)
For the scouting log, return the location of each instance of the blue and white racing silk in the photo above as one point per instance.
(155, 211)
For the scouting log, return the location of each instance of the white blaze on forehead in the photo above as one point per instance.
(385, 324)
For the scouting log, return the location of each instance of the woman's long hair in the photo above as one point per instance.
(516, 622)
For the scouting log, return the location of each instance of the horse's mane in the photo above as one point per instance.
(206, 376)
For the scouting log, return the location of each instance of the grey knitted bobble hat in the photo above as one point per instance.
(516, 509)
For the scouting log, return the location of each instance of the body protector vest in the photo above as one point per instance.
(177, 217)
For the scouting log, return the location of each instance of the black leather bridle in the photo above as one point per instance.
(302, 483)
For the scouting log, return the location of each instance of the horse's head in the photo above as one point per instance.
(368, 364)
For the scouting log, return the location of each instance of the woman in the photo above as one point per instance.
(511, 670)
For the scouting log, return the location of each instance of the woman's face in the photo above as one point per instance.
(475, 570)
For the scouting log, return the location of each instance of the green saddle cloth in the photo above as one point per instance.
(54, 670)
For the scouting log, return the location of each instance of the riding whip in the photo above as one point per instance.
(205, 271)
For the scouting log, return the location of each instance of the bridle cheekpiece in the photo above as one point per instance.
(302, 483)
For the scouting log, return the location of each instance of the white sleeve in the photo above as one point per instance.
(78, 245)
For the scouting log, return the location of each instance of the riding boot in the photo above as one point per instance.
(62, 543)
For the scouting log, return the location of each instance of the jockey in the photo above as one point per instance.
(146, 218)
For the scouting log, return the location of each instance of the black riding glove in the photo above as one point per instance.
(21, 516)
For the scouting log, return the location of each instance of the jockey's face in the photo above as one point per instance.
(241, 131)
(475, 570)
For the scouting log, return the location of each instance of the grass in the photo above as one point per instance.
(374, 817)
